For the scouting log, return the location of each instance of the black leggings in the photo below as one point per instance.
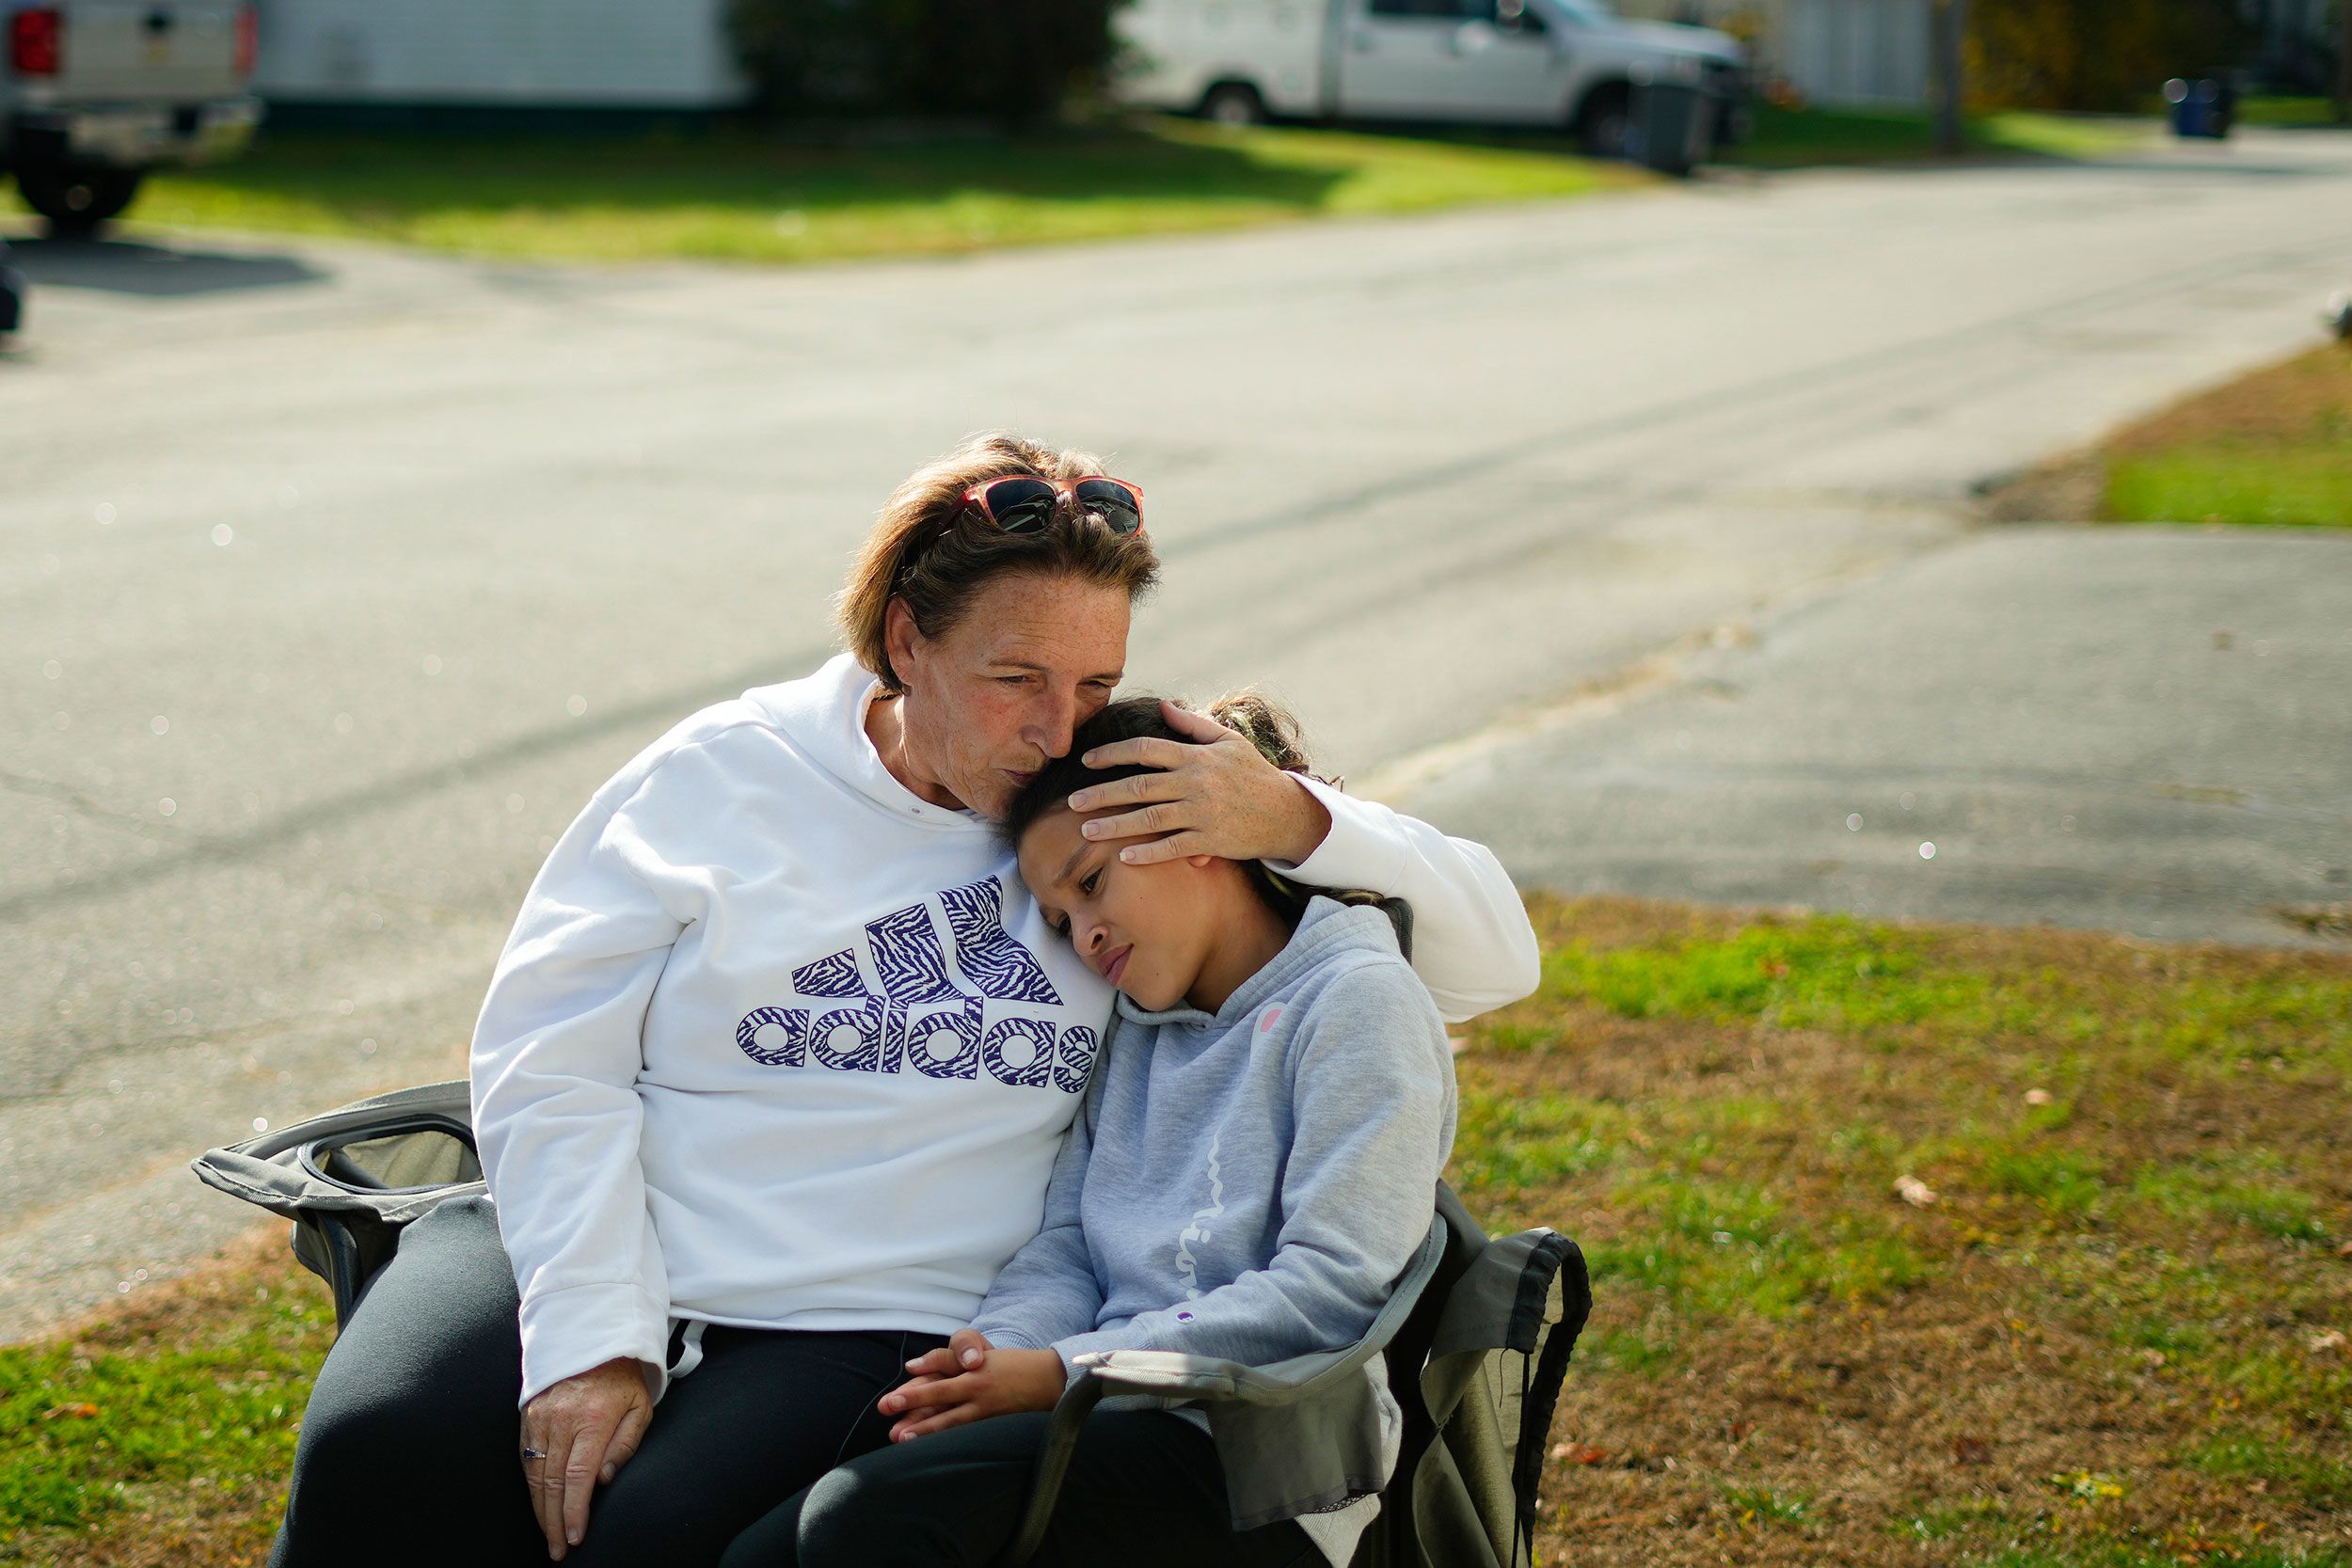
(409, 1447)
(1145, 1489)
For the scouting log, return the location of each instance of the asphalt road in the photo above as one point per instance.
(332, 579)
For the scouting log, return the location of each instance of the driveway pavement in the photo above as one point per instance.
(333, 579)
(2144, 730)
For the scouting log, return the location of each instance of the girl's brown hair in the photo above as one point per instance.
(927, 550)
(1265, 725)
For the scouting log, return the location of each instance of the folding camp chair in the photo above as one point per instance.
(1476, 1337)
(351, 1178)
(1477, 1340)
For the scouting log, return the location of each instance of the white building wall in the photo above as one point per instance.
(613, 53)
(1859, 53)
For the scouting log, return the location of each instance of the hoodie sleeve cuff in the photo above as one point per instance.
(1003, 1337)
(1362, 849)
(567, 1332)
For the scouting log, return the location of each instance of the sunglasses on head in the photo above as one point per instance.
(1022, 504)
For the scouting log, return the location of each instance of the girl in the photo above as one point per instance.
(1272, 1119)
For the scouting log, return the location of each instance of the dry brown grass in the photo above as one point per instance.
(1959, 1416)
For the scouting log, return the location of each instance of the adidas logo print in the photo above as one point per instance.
(929, 1018)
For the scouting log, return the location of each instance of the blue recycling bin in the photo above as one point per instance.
(2200, 107)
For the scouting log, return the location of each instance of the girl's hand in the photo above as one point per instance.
(1220, 799)
(966, 1351)
(1006, 1381)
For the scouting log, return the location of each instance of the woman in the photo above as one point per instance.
(1251, 1175)
(771, 1074)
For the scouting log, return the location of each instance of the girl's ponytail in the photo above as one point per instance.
(1268, 726)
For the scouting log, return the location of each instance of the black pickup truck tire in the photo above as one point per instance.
(1600, 121)
(1234, 103)
(77, 201)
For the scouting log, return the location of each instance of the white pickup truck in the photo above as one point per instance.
(93, 93)
(1569, 64)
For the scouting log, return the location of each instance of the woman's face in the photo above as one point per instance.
(996, 696)
(1148, 930)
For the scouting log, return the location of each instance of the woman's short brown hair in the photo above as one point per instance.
(925, 550)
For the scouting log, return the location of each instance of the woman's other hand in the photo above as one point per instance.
(1222, 798)
(586, 1427)
(1005, 1381)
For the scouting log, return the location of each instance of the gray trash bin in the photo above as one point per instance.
(11, 295)
(1670, 123)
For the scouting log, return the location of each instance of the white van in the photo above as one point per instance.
(1564, 63)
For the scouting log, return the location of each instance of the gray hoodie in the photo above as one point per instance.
(1255, 1181)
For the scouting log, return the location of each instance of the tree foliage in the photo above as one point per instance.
(1014, 62)
(2095, 54)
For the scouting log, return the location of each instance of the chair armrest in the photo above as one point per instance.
(1078, 1399)
(1172, 1375)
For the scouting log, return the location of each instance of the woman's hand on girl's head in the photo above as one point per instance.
(1006, 1381)
(1219, 798)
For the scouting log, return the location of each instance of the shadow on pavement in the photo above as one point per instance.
(162, 271)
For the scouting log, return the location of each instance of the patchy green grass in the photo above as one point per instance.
(1765, 1506)
(736, 193)
(2318, 1479)
(2155, 1554)
(163, 1433)
(1787, 138)
(2301, 486)
(2098, 1332)
(737, 196)
(2271, 449)
(2260, 109)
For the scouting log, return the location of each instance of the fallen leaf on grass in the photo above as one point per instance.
(1913, 1191)
(1971, 1450)
(2090, 1485)
(2332, 1339)
(2344, 1250)
(1578, 1454)
(68, 1412)
(2037, 1096)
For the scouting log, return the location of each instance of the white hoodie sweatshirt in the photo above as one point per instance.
(775, 1043)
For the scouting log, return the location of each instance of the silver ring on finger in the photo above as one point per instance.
(534, 1453)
